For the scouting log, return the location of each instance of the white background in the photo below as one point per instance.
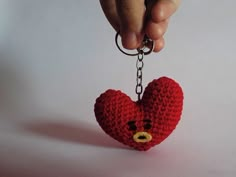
(57, 56)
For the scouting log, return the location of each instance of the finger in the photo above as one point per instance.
(156, 30)
(109, 9)
(131, 14)
(163, 9)
(159, 44)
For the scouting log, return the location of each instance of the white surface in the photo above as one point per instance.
(58, 56)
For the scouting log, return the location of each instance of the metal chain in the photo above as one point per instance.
(145, 49)
(139, 66)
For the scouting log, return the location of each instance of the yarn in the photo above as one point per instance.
(144, 123)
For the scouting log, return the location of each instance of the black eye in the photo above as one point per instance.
(132, 125)
(147, 124)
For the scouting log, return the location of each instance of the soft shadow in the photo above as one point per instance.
(79, 131)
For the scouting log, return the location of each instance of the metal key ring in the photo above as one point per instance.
(146, 41)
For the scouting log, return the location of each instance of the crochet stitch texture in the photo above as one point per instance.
(145, 123)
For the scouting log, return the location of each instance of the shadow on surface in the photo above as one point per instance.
(81, 132)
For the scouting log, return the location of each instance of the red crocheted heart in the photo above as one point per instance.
(145, 123)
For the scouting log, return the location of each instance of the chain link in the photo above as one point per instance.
(139, 66)
(145, 49)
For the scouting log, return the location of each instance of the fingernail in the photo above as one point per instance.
(129, 40)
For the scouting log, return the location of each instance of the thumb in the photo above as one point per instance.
(131, 14)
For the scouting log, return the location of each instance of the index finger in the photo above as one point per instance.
(163, 9)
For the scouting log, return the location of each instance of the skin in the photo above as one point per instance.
(133, 19)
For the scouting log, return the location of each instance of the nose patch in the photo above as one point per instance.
(142, 137)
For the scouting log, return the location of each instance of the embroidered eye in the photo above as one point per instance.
(132, 125)
(147, 124)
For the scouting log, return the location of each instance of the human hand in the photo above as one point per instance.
(133, 19)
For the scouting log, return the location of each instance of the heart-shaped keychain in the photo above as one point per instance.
(146, 122)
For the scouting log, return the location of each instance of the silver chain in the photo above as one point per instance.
(147, 44)
(139, 78)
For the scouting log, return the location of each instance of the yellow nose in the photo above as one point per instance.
(142, 137)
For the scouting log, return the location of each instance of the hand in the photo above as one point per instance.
(133, 19)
